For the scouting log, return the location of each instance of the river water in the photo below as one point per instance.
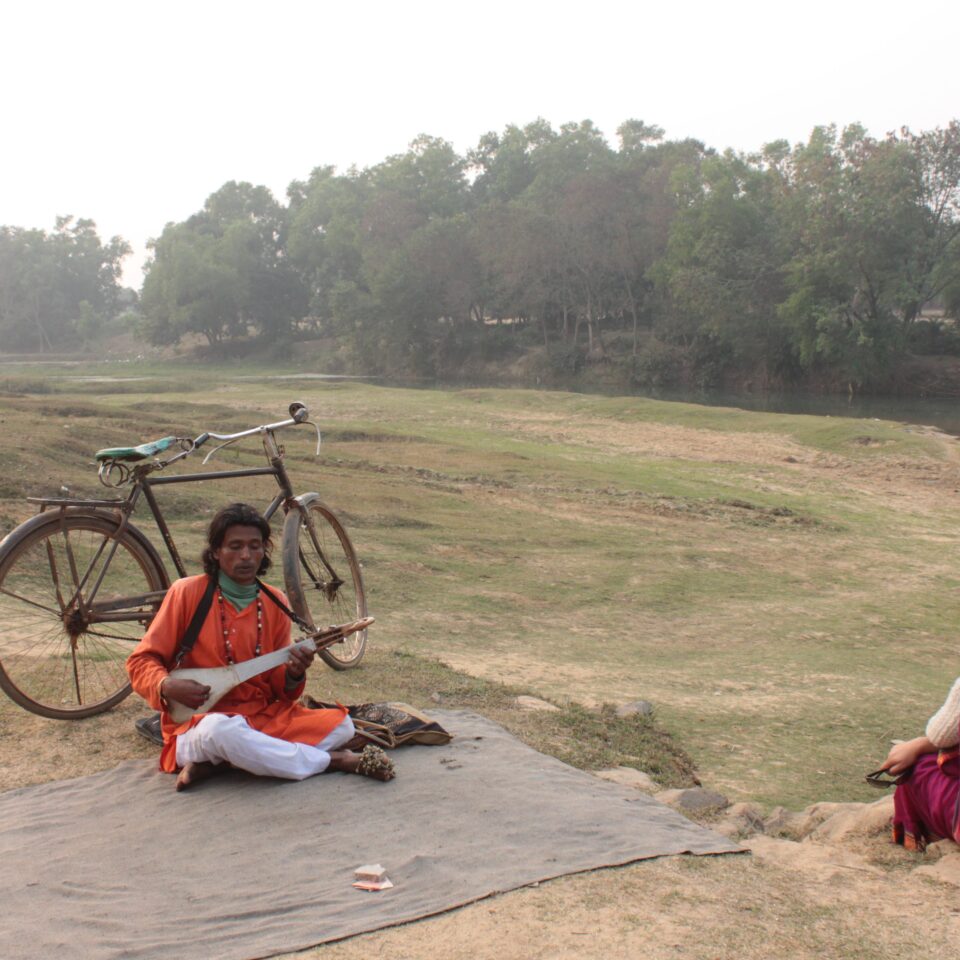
(941, 413)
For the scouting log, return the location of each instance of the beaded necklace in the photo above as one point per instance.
(226, 633)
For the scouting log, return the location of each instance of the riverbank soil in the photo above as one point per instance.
(782, 589)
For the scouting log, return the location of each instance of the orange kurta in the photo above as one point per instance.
(263, 700)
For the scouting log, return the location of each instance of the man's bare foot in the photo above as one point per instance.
(195, 772)
(373, 762)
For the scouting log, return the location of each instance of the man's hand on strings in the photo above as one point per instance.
(298, 664)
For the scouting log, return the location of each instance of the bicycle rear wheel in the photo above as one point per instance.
(322, 577)
(63, 647)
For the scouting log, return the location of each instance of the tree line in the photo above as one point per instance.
(58, 289)
(664, 259)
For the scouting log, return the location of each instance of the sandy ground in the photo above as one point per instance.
(820, 897)
(839, 892)
(744, 907)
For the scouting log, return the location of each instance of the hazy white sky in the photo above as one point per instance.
(132, 113)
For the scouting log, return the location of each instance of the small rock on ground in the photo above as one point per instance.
(782, 821)
(740, 820)
(694, 799)
(535, 703)
(643, 707)
(809, 819)
(629, 777)
(942, 848)
(856, 818)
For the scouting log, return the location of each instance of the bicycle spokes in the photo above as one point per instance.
(329, 588)
(62, 652)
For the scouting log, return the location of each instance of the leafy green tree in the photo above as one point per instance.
(347, 235)
(188, 288)
(636, 136)
(814, 260)
(223, 272)
(722, 276)
(934, 265)
(430, 292)
(504, 164)
(521, 259)
(878, 237)
(643, 207)
(325, 245)
(57, 289)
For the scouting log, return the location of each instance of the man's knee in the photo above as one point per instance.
(217, 730)
(339, 735)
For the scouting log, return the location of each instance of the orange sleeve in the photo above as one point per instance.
(152, 658)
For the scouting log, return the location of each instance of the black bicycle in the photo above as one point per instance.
(79, 583)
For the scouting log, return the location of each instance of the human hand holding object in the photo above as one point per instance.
(903, 756)
(188, 692)
(299, 662)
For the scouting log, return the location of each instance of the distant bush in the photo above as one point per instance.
(710, 359)
(563, 359)
(501, 342)
(659, 364)
(933, 337)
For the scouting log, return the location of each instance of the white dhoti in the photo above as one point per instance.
(219, 738)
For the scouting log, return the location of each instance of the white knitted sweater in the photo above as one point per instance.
(943, 726)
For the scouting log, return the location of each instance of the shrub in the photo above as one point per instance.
(659, 364)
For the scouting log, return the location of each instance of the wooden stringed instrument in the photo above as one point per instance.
(221, 680)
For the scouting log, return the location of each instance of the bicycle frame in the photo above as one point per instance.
(142, 483)
(276, 469)
(82, 580)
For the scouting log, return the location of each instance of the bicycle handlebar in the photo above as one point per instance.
(298, 414)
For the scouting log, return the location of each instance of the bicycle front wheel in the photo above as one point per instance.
(322, 577)
(74, 601)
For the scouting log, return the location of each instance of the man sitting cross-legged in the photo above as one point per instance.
(258, 726)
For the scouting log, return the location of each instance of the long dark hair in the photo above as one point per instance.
(235, 515)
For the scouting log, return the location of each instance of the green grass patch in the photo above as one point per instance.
(782, 588)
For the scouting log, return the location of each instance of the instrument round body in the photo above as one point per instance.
(220, 680)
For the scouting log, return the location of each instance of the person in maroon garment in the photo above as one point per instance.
(927, 799)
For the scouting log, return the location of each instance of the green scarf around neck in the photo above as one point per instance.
(239, 594)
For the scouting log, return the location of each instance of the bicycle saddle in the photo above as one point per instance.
(141, 452)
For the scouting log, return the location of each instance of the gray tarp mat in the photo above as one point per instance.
(119, 865)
